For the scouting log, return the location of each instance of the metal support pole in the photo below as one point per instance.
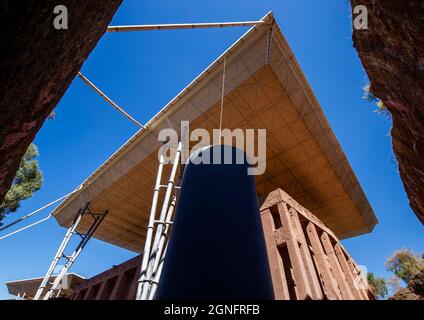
(107, 99)
(150, 27)
(149, 234)
(164, 235)
(145, 282)
(161, 223)
(59, 253)
(156, 276)
(97, 220)
(163, 245)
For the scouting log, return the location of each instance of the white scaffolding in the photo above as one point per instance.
(154, 252)
(97, 218)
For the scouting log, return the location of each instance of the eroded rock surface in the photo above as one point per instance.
(392, 53)
(37, 64)
(414, 290)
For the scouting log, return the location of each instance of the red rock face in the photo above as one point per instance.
(37, 64)
(414, 290)
(392, 53)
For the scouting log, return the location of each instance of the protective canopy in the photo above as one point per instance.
(264, 88)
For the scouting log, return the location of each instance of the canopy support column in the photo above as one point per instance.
(153, 254)
(97, 218)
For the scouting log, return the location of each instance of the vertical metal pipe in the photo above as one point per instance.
(156, 276)
(161, 223)
(53, 265)
(163, 245)
(59, 253)
(164, 235)
(149, 234)
(74, 255)
(160, 256)
(62, 273)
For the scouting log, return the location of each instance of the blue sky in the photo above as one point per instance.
(143, 71)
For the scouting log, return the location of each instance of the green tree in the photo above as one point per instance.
(378, 285)
(28, 179)
(405, 264)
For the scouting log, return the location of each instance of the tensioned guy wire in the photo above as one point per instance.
(33, 213)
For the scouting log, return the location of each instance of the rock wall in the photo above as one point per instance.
(392, 53)
(414, 290)
(37, 64)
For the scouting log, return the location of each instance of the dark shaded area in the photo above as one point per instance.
(392, 53)
(216, 249)
(37, 64)
(414, 290)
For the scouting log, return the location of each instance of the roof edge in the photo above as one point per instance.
(268, 18)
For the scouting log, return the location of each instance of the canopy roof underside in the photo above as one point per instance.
(264, 89)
